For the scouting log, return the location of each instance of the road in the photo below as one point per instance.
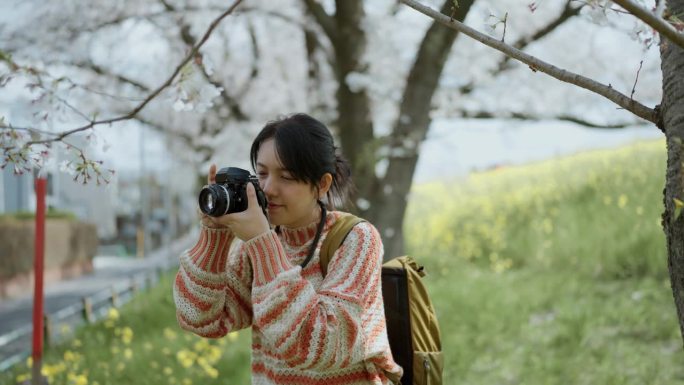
(108, 273)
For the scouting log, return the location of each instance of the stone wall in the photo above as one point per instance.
(69, 249)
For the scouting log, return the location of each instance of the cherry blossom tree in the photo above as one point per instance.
(667, 115)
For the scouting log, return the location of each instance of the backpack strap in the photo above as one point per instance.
(338, 232)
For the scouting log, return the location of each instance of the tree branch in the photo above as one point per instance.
(523, 42)
(154, 94)
(662, 26)
(564, 118)
(326, 21)
(536, 64)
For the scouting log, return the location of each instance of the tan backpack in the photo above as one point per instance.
(412, 326)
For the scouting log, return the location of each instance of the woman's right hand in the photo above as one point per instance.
(209, 221)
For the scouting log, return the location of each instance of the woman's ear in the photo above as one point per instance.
(324, 184)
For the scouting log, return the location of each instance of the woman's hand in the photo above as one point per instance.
(249, 223)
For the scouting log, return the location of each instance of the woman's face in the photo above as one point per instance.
(291, 203)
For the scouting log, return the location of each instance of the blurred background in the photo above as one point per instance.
(534, 204)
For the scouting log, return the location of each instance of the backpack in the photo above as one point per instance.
(412, 327)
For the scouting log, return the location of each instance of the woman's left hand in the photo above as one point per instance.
(249, 223)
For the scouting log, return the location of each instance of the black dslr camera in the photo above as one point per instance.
(229, 194)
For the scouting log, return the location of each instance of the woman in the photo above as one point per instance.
(306, 329)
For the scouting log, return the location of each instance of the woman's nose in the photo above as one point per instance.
(268, 186)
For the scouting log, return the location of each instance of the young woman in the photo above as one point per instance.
(306, 329)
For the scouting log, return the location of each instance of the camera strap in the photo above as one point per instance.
(317, 238)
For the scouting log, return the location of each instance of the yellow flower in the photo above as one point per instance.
(76, 343)
(113, 314)
(622, 201)
(166, 351)
(169, 334)
(186, 358)
(187, 381)
(148, 346)
(126, 335)
(70, 356)
(52, 370)
(29, 362)
(25, 377)
(128, 353)
(65, 329)
(77, 379)
(213, 354)
(120, 367)
(201, 345)
(211, 372)
(168, 371)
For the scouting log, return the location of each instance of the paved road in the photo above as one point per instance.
(107, 272)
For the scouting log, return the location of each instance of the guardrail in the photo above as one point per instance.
(60, 325)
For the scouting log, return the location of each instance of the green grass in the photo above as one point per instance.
(551, 273)
(142, 344)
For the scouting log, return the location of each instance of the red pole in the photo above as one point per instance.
(38, 263)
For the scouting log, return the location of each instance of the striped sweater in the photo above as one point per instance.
(305, 329)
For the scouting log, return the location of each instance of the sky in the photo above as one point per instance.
(452, 149)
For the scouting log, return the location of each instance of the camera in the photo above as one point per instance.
(229, 194)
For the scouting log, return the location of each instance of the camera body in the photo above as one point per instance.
(229, 194)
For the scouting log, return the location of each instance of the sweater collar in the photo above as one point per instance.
(302, 235)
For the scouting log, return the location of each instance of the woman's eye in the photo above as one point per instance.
(287, 177)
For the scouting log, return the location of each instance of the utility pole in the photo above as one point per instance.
(38, 267)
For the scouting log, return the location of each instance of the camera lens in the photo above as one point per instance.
(214, 200)
(209, 204)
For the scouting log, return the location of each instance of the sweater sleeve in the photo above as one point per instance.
(212, 289)
(316, 330)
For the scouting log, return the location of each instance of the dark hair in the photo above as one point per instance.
(307, 150)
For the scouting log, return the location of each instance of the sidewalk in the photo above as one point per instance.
(107, 272)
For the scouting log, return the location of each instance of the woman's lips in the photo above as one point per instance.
(272, 206)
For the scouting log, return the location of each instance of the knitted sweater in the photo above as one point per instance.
(305, 329)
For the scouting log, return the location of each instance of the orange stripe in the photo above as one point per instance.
(219, 256)
(321, 342)
(261, 262)
(352, 332)
(300, 379)
(207, 252)
(197, 281)
(301, 350)
(197, 302)
(198, 324)
(244, 306)
(297, 321)
(200, 245)
(277, 311)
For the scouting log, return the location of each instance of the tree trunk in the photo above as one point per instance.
(410, 129)
(354, 116)
(672, 110)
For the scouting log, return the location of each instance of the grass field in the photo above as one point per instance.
(550, 273)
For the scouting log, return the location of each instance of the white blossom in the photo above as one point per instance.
(192, 92)
(357, 81)
(363, 204)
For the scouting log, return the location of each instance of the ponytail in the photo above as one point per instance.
(342, 184)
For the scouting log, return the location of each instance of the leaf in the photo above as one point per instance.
(678, 207)
(455, 3)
